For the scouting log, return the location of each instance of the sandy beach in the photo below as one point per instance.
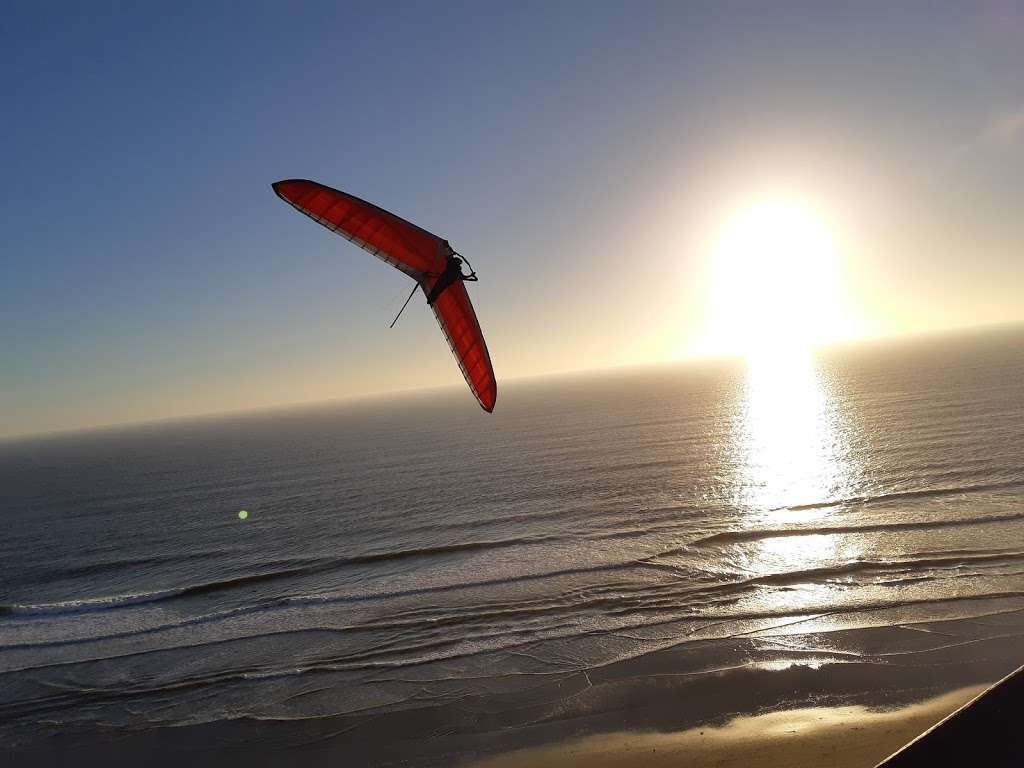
(656, 710)
(840, 737)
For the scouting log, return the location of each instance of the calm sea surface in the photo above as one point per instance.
(400, 554)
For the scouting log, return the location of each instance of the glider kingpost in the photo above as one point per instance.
(426, 258)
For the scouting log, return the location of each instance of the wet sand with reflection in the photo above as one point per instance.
(839, 737)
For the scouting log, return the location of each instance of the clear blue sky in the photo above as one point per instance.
(571, 150)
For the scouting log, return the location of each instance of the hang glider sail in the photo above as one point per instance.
(425, 257)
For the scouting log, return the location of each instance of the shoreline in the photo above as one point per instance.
(885, 685)
(852, 736)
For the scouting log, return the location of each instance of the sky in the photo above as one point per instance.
(624, 177)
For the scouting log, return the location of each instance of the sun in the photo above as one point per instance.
(775, 283)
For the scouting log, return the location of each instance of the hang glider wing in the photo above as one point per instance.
(458, 322)
(419, 254)
(403, 245)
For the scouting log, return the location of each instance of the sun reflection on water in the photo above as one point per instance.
(792, 449)
(792, 444)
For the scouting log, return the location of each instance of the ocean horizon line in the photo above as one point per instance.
(404, 393)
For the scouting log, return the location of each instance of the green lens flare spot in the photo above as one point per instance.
(242, 515)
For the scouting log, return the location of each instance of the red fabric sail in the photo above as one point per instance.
(403, 245)
(419, 254)
(455, 315)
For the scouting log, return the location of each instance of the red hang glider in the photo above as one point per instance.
(425, 257)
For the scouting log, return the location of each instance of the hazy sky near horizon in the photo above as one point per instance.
(587, 157)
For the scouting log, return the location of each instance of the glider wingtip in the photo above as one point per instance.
(278, 186)
(487, 402)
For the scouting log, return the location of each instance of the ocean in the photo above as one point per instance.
(416, 563)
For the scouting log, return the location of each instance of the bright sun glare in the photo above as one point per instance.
(775, 283)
